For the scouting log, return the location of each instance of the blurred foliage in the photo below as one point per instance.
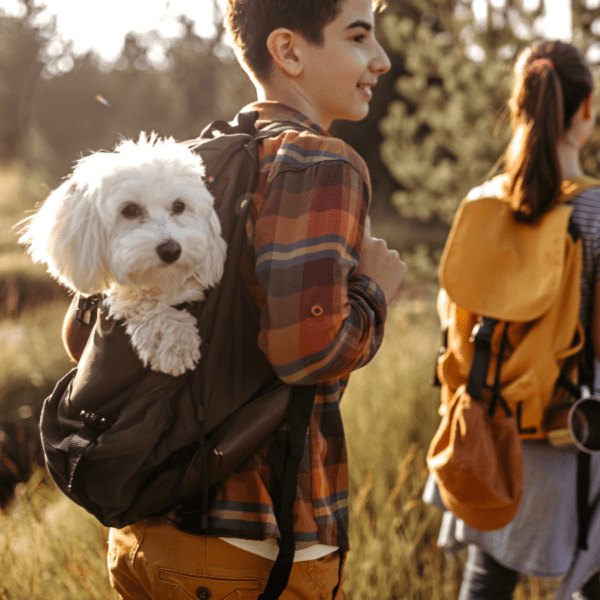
(438, 136)
(32, 356)
(437, 125)
(193, 87)
(448, 126)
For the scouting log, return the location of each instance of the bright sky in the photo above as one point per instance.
(102, 24)
(557, 21)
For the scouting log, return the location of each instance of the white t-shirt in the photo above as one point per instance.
(269, 549)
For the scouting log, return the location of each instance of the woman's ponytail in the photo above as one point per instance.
(532, 158)
(551, 81)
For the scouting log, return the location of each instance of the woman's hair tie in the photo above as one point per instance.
(541, 62)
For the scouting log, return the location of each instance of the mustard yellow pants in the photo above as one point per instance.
(153, 560)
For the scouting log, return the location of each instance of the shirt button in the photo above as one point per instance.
(203, 593)
(316, 311)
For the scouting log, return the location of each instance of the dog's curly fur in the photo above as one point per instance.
(138, 225)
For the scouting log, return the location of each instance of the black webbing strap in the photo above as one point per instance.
(302, 405)
(435, 380)
(496, 397)
(583, 491)
(482, 337)
(342, 554)
(94, 426)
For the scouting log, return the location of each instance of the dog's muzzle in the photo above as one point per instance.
(169, 251)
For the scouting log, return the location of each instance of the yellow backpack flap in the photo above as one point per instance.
(525, 276)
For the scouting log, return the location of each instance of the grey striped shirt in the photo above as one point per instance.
(586, 215)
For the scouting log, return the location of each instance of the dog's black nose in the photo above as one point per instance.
(169, 251)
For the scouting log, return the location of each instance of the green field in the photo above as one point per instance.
(52, 549)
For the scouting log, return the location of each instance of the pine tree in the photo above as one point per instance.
(449, 125)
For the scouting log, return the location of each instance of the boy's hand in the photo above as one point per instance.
(382, 265)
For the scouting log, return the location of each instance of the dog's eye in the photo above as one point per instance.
(131, 211)
(178, 207)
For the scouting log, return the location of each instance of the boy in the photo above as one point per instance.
(321, 283)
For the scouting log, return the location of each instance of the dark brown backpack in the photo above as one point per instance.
(125, 442)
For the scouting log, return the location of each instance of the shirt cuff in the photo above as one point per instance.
(371, 288)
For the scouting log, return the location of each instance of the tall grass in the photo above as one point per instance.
(390, 414)
(51, 549)
(32, 357)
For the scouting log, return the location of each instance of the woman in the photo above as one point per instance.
(553, 114)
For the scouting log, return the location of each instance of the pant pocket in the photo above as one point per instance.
(195, 587)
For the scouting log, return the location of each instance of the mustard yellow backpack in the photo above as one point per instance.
(510, 307)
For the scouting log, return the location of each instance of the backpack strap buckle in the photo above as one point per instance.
(95, 421)
(85, 305)
(482, 337)
(483, 331)
(94, 425)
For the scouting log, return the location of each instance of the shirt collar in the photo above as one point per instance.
(270, 111)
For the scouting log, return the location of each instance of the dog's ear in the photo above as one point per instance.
(68, 234)
(215, 258)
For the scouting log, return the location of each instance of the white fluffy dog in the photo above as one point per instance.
(137, 225)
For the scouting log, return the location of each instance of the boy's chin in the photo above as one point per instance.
(358, 114)
(354, 116)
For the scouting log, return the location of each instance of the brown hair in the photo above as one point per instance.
(250, 22)
(551, 81)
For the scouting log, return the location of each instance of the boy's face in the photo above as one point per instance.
(338, 77)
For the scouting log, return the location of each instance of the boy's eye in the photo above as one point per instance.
(359, 38)
(178, 207)
(131, 211)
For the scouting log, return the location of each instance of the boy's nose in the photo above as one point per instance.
(381, 62)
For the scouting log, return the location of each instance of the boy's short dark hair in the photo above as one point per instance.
(250, 22)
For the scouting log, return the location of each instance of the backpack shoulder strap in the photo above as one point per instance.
(303, 400)
(224, 321)
(228, 317)
(482, 337)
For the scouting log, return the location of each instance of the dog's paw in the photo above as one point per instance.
(174, 359)
(169, 343)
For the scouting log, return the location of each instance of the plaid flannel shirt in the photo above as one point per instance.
(319, 321)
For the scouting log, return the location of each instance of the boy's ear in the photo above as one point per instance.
(587, 106)
(284, 48)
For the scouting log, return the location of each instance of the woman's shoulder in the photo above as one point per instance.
(583, 188)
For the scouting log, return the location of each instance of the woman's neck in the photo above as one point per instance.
(568, 157)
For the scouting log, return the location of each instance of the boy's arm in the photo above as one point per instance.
(323, 317)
